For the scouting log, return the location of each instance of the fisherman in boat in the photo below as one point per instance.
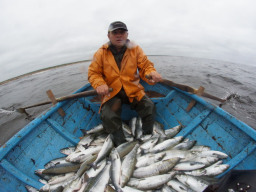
(116, 65)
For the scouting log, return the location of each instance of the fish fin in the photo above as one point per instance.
(86, 177)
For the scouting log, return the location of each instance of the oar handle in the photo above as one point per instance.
(188, 89)
(173, 84)
(78, 95)
(73, 96)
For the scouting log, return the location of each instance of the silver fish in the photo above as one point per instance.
(149, 144)
(31, 189)
(152, 182)
(158, 128)
(128, 165)
(149, 159)
(130, 189)
(115, 170)
(95, 129)
(125, 148)
(178, 186)
(68, 150)
(185, 145)
(82, 155)
(94, 172)
(167, 144)
(62, 168)
(84, 143)
(200, 148)
(105, 150)
(194, 183)
(187, 166)
(85, 165)
(132, 125)
(55, 162)
(98, 183)
(60, 178)
(138, 130)
(205, 160)
(218, 154)
(75, 185)
(216, 169)
(172, 131)
(156, 168)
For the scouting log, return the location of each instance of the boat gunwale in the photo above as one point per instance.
(13, 141)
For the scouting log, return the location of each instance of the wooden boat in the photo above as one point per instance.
(41, 140)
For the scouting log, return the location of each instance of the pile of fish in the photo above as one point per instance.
(158, 162)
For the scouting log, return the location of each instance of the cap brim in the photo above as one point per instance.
(117, 28)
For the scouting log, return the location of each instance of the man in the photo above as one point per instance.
(115, 66)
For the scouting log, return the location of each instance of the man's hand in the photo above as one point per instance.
(155, 77)
(102, 90)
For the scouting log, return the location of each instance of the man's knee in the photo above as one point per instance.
(111, 115)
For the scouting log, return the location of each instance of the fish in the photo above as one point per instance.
(148, 159)
(127, 132)
(212, 170)
(172, 131)
(132, 124)
(194, 183)
(178, 186)
(94, 172)
(84, 154)
(115, 170)
(96, 129)
(55, 162)
(157, 168)
(62, 168)
(98, 183)
(148, 144)
(167, 144)
(31, 189)
(188, 165)
(68, 150)
(128, 165)
(158, 128)
(185, 145)
(105, 150)
(84, 143)
(152, 182)
(158, 162)
(74, 185)
(138, 128)
(85, 165)
(125, 148)
(60, 178)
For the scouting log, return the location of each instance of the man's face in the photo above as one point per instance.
(118, 37)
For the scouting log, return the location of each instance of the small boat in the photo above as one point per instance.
(41, 140)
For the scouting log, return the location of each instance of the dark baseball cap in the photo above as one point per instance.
(117, 25)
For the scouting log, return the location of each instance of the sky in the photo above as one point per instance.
(36, 34)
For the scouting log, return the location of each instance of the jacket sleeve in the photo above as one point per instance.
(144, 64)
(95, 70)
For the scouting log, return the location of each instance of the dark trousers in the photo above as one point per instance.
(111, 115)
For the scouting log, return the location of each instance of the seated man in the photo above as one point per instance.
(115, 66)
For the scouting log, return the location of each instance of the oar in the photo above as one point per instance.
(188, 89)
(73, 96)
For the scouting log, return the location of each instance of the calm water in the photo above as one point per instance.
(219, 78)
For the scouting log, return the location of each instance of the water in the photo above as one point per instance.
(218, 77)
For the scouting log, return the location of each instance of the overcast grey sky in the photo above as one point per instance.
(35, 34)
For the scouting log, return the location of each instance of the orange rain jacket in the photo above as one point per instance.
(104, 70)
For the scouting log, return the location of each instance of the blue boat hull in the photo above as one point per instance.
(41, 140)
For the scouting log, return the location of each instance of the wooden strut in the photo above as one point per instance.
(193, 102)
(54, 102)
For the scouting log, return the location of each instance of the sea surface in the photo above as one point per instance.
(219, 78)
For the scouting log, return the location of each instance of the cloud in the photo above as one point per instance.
(35, 34)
